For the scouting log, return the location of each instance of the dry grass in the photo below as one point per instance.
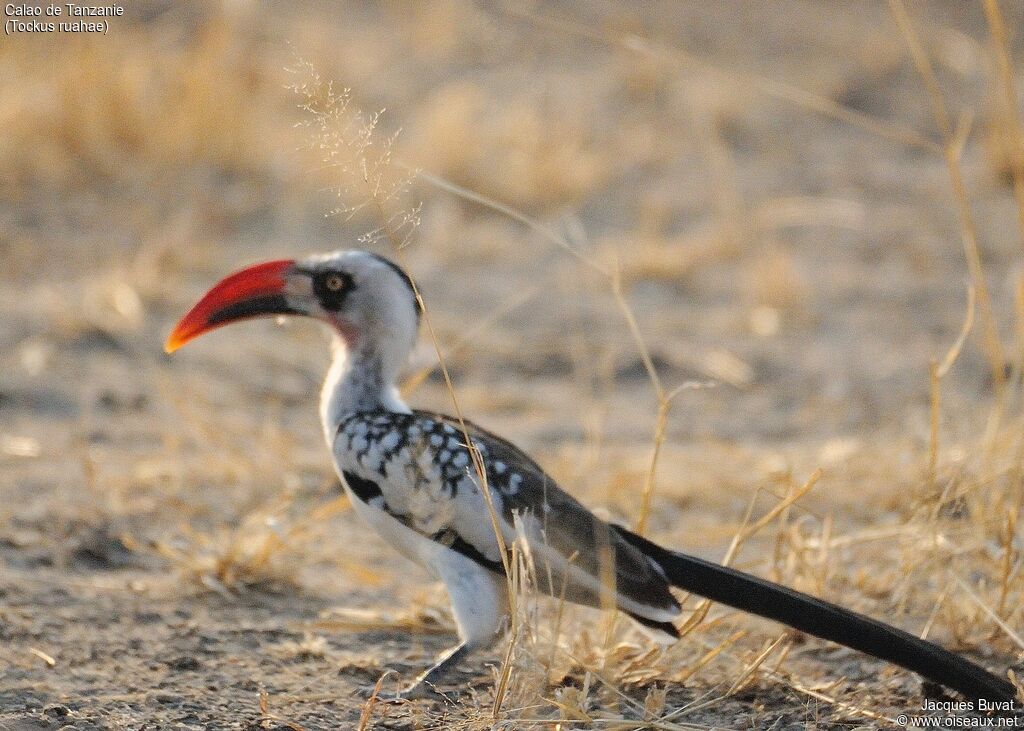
(265, 550)
(799, 559)
(182, 144)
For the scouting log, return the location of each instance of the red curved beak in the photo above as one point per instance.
(257, 291)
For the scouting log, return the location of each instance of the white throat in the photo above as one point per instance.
(359, 379)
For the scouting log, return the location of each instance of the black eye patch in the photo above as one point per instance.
(331, 287)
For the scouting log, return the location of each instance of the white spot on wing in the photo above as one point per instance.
(514, 481)
(389, 442)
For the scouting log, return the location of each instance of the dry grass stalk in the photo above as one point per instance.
(613, 277)
(266, 717)
(665, 398)
(747, 532)
(46, 658)
(418, 618)
(468, 337)
(366, 180)
(995, 617)
(505, 674)
(1001, 51)
(773, 88)
(752, 668)
(710, 655)
(334, 132)
(993, 514)
(822, 544)
(953, 142)
(984, 541)
(818, 693)
(855, 710)
(367, 713)
(936, 372)
(260, 550)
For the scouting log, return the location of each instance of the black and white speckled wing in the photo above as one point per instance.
(416, 468)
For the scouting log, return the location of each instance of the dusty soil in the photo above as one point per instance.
(168, 550)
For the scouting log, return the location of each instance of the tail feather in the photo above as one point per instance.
(666, 629)
(825, 620)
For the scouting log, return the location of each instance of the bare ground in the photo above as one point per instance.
(169, 553)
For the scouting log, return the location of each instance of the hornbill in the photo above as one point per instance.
(410, 475)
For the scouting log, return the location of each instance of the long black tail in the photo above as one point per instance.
(825, 620)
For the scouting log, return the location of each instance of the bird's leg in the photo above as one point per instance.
(479, 605)
(423, 687)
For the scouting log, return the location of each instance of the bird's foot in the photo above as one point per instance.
(424, 687)
(426, 691)
(416, 691)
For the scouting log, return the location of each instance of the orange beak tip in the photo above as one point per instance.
(258, 280)
(175, 340)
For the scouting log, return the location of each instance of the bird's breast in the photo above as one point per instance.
(415, 471)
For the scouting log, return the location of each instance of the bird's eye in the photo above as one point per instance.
(333, 288)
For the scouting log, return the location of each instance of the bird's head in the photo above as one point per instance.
(367, 299)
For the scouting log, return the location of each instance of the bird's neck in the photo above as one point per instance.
(361, 378)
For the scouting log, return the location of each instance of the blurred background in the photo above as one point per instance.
(768, 184)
